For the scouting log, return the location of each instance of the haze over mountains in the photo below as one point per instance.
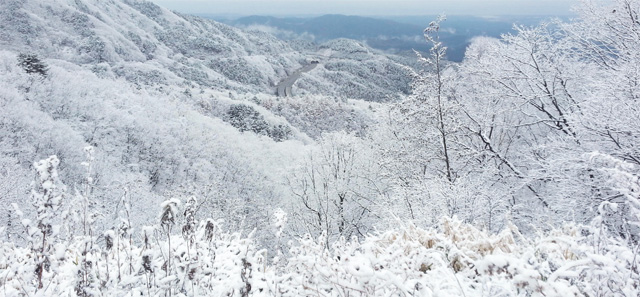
(371, 8)
(395, 34)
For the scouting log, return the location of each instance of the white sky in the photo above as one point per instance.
(369, 7)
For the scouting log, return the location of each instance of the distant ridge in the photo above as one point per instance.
(393, 33)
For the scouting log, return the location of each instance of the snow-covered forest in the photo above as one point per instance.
(144, 152)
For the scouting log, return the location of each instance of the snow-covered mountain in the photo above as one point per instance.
(144, 152)
(149, 45)
(169, 99)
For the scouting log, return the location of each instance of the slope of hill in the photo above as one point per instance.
(163, 46)
(168, 102)
(149, 45)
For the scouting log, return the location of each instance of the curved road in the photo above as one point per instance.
(284, 87)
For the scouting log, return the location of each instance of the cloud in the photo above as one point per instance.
(448, 30)
(279, 33)
(405, 38)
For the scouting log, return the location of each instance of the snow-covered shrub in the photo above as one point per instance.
(79, 21)
(43, 232)
(461, 260)
(47, 200)
(31, 63)
(246, 118)
(456, 260)
(220, 264)
(93, 50)
(315, 115)
(239, 70)
(624, 178)
(145, 46)
(147, 8)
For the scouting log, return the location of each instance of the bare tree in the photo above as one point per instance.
(336, 189)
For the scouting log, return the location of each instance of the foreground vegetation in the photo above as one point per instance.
(65, 258)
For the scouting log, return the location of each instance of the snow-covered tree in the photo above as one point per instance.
(336, 189)
(428, 155)
(31, 63)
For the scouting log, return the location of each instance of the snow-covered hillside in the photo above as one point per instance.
(166, 100)
(149, 45)
(127, 76)
(145, 152)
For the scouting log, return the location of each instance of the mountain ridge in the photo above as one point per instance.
(388, 33)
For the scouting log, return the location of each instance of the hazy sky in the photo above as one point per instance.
(368, 7)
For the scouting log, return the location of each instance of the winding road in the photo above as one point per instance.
(284, 87)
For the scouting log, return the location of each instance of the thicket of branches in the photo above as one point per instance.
(182, 255)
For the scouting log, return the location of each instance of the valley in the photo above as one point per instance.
(149, 152)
